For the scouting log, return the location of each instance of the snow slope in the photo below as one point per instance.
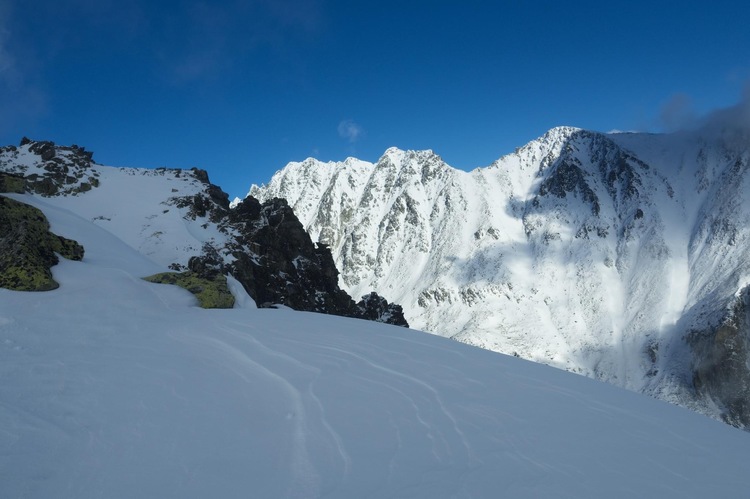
(138, 205)
(591, 252)
(115, 387)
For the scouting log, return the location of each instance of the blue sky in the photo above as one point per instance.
(240, 88)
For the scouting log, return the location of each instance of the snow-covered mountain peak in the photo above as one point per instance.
(397, 155)
(393, 154)
(593, 252)
(559, 134)
(556, 137)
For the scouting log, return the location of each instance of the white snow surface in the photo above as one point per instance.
(647, 238)
(115, 387)
(136, 205)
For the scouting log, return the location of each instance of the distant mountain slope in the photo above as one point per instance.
(114, 387)
(623, 257)
(181, 221)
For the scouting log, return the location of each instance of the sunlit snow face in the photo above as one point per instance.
(587, 276)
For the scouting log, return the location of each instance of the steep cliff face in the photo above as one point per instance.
(720, 361)
(591, 252)
(182, 221)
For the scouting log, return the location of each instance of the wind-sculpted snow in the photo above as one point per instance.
(600, 254)
(115, 387)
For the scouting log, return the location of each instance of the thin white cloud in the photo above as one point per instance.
(350, 131)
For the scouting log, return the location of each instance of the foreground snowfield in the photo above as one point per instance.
(115, 387)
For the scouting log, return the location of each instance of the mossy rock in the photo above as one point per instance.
(12, 183)
(211, 293)
(28, 250)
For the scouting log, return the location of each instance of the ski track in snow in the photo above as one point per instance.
(433, 395)
(306, 479)
(309, 408)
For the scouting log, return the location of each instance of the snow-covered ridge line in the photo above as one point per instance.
(617, 256)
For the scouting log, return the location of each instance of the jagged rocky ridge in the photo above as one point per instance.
(618, 256)
(181, 220)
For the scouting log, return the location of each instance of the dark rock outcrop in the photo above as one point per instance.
(569, 177)
(276, 261)
(274, 258)
(376, 308)
(721, 362)
(66, 169)
(45, 149)
(28, 249)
